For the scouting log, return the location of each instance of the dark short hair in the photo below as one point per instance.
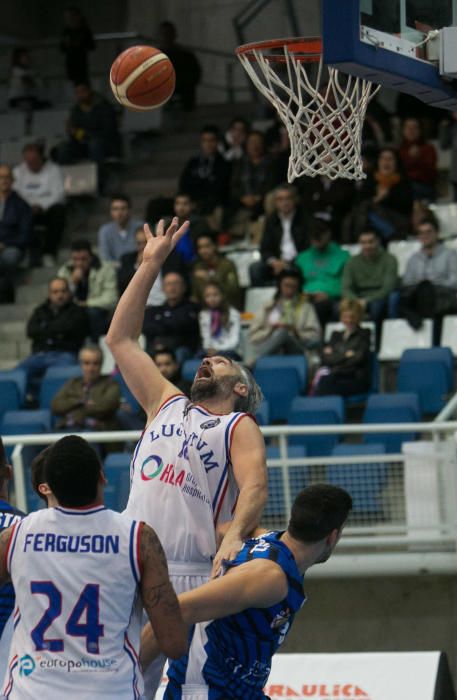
(162, 350)
(206, 234)
(119, 197)
(369, 232)
(38, 471)
(34, 146)
(430, 220)
(184, 194)
(210, 129)
(292, 273)
(72, 470)
(317, 511)
(81, 244)
(318, 228)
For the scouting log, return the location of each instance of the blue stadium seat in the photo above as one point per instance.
(189, 369)
(53, 380)
(365, 482)
(19, 376)
(10, 399)
(26, 421)
(126, 394)
(429, 373)
(280, 362)
(263, 413)
(64, 372)
(316, 410)
(279, 388)
(391, 408)
(298, 479)
(117, 471)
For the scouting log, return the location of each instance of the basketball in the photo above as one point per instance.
(142, 78)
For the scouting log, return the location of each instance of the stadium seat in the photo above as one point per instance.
(429, 375)
(446, 213)
(53, 380)
(318, 410)
(109, 363)
(126, 394)
(117, 471)
(49, 123)
(80, 179)
(449, 333)
(279, 390)
(257, 297)
(10, 398)
(189, 369)
(391, 408)
(26, 422)
(243, 259)
(402, 250)
(365, 482)
(263, 413)
(12, 124)
(338, 326)
(19, 376)
(298, 479)
(352, 248)
(397, 336)
(277, 363)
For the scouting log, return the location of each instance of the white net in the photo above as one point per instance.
(322, 110)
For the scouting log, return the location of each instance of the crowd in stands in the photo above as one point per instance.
(233, 191)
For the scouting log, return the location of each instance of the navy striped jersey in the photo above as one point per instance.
(8, 516)
(231, 657)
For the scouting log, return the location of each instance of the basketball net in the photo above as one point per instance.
(323, 118)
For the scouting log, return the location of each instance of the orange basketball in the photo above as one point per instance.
(142, 78)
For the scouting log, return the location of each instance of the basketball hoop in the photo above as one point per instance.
(323, 114)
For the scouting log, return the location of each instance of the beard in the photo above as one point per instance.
(221, 388)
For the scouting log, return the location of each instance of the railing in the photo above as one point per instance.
(405, 505)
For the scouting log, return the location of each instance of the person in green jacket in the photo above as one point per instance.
(322, 267)
(371, 276)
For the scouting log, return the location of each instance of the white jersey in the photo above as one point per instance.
(182, 481)
(78, 613)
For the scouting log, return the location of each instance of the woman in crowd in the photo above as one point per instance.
(220, 325)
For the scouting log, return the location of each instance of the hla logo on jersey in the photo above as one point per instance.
(151, 467)
(337, 691)
(26, 665)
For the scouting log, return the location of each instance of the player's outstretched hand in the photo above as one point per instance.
(228, 550)
(160, 244)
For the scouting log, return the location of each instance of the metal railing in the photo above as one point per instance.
(405, 505)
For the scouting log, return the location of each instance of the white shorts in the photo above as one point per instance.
(197, 575)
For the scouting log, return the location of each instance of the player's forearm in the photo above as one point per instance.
(128, 318)
(249, 508)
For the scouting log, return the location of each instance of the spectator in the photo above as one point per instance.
(169, 368)
(130, 263)
(88, 402)
(24, 84)
(187, 68)
(206, 176)
(346, 357)
(285, 235)
(93, 285)
(288, 324)
(334, 198)
(220, 324)
(15, 229)
(322, 267)
(235, 139)
(76, 42)
(92, 127)
(448, 139)
(118, 237)
(57, 330)
(419, 160)
(429, 285)
(370, 276)
(385, 201)
(252, 178)
(213, 267)
(184, 253)
(174, 324)
(40, 183)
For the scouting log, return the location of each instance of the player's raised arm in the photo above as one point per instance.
(159, 598)
(247, 455)
(139, 371)
(256, 584)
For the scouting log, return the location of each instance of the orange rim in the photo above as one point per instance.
(303, 49)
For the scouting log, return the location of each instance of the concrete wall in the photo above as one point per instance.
(377, 614)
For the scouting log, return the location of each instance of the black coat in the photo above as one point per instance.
(270, 245)
(359, 364)
(62, 330)
(206, 181)
(173, 326)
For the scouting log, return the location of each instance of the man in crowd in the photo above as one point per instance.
(174, 324)
(93, 284)
(117, 238)
(242, 617)
(166, 362)
(370, 276)
(15, 231)
(57, 329)
(186, 65)
(40, 183)
(95, 567)
(322, 268)
(213, 267)
(190, 443)
(285, 235)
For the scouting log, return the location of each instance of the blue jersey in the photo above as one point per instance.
(8, 516)
(231, 657)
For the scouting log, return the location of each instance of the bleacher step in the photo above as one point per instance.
(36, 293)
(16, 312)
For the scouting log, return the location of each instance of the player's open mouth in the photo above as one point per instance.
(204, 372)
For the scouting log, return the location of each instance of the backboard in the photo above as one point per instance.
(392, 43)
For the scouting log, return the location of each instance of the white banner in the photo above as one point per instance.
(376, 676)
